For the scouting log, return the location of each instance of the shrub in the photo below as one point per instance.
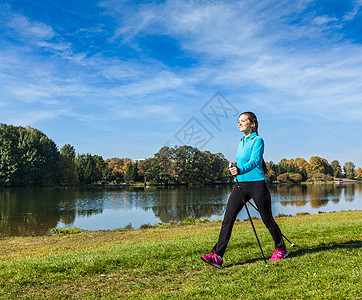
(328, 177)
(302, 214)
(188, 221)
(283, 178)
(295, 178)
(65, 231)
(146, 226)
(270, 178)
(283, 216)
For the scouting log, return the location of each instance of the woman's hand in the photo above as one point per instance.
(233, 171)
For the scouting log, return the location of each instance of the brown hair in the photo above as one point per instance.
(254, 125)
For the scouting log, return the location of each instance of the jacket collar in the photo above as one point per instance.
(249, 137)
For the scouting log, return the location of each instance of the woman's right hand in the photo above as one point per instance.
(233, 170)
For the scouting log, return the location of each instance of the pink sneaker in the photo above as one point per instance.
(279, 254)
(213, 259)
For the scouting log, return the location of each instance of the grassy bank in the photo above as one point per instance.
(163, 263)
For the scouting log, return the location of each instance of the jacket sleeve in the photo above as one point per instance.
(256, 156)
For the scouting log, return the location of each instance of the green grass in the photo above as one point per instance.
(163, 262)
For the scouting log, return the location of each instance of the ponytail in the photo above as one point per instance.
(265, 168)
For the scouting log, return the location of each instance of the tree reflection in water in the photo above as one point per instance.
(317, 195)
(176, 204)
(33, 211)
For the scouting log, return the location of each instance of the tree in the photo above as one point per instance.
(301, 163)
(303, 173)
(67, 174)
(358, 173)
(213, 168)
(291, 166)
(27, 156)
(271, 177)
(116, 169)
(89, 168)
(272, 167)
(100, 168)
(132, 174)
(162, 166)
(184, 165)
(282, 166)
(68, 151)
(319, 165)
(336, 167)
(349, 169)
(145, 169)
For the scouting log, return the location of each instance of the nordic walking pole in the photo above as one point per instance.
(291, 244)
(251, 221)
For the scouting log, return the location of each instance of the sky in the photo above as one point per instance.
(125, 78)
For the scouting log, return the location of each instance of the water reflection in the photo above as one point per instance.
(175, 204)
(36, 210)
(317, 195)
(26, 211)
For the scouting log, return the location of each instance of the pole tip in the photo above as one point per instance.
(266, 266)
(292, 245)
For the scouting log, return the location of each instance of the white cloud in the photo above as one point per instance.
(33, 33)
(263, 50)
(30, 117)
(54, 46)
(355, 11)
(322, 20)
(255, 47)
(144, 112)
(30, 29)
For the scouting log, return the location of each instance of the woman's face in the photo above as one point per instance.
(244, 124)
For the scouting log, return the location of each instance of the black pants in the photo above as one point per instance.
(258, 191)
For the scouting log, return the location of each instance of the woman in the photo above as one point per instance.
(250, 172)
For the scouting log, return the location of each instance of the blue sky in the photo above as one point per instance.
(124, 78)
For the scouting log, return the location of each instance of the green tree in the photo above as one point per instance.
(188, 164)
(68, 151)
(282, 166)
(291, 166)
(67, 165)
(349, 169)
(132, 173)
(271, 177)
(303, 173)
(213, 168)
(272, 167)
(319, 165)
(89, 168)
(100, 168)
(336, 167)
(145, 170)
(28, 157)
(163, 166)
(301, 163)
(184, 165)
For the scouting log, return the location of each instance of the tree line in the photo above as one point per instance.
(29, 158)
(317, 169)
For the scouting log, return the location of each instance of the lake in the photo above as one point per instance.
(33, 211)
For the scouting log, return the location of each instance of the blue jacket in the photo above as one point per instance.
(249, 158)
